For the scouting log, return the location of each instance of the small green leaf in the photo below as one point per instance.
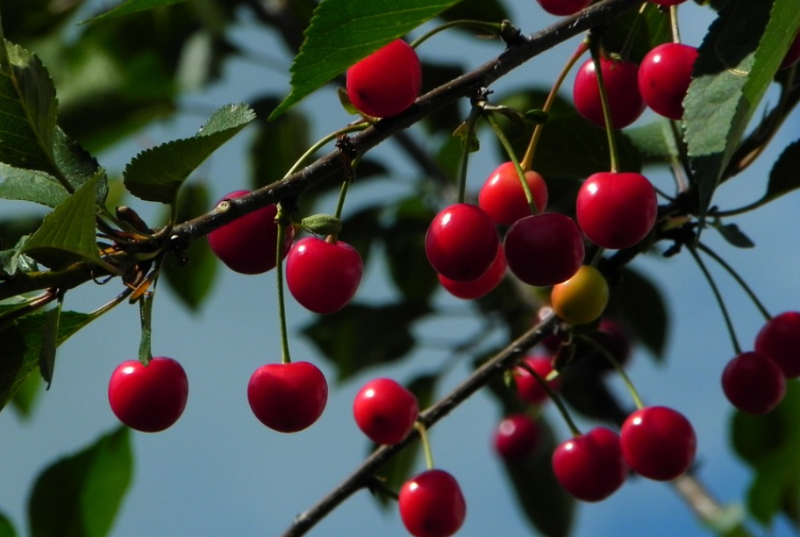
(133, 6)
(322, 224)
(734, 235)
(158, 173)
(783, 178)
(81, 494)
(6, 527)
(342, 32)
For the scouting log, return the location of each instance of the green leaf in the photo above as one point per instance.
(277, 145)
(734, 235)
(77, 165)
(638, 33)
(783, 178)
(6, 527)
(31, 185)
(482, 10)
(637, 300)
(655, 141)
(342, 32)
(133, 6)
(24, 399)
(22, 346)
(736, 64)
(81, 494)
(361, 336)
(68, 233)
(158, 173)
(47, 355)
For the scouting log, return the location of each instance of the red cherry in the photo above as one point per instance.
(287, 397)
(248, 244)
(432, 505)
(386, 82)
(792, 55)
(385, 411)
(529, 389)
(544, 249)
(323, 276)
(481, 286)
(658, 443)
(620, 79)
(503, 198)
(664, 77)
(516, 438)
(148, 398)
(461, 242)
(616, 210)
(564, 7)
(590, 467)
(779, 340)
(753, 383)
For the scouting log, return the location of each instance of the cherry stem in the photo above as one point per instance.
(513, 156)
(617, 366)
(594, 48)
(746, 288)
(718, 296)
(426, 445)
(527, 160)
(493, 28)
(283, 221)
(472, 119)
(360, 126)
(637, 22)
(673, 20)
(554, 396)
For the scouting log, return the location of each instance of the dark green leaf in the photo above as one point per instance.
(277, 145)
(25, 397)
(80, 495)
(650, 29)
(361, 336)
(783, 178)
(12, 260)
(359, 230)
(6, 527)
(637, 300)
(734, 235)
(343, 32)
(480, 10)
(47, 355)
(31, 185)
(77, 165)
(133, 6)
(26, 20)
(433, 76)
(736, 64)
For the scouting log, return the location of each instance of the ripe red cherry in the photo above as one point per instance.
(385, 411)
(323, 276)
(432, 505)
(590, 467)
(481, 286)
(148, 398)
(503, 198)
(779, 340)
(461, 242)
(544, 249)
(529, 389)
(386, 82)
(248, 245)
(516, 438)
(664, 77)
(620, 79)
(658, 443)
(564, 7)
(616, 210)
(792, 55)
(753, 383)
(287, 397)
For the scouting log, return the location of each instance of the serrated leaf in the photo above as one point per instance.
(361, 336)
(158, 173)
(133, 6)
(736, 64)
(68, 233)
(734, 235)
(80, 494)
(78, 165)
(22, 346)
(783, 178)
(343, 32)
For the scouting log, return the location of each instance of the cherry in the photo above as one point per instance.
(287, 397)
(503, 198)
(658, 442)
(516, 438)
(753, 383)
(564, 7)
(590, 466)
(544, 249)
(248, 244)
(432, 505)
(582, 298)
(529, 389)
(620, 79)
(664, 77)
(385, 411)
(461, 242)
(387, 81)
(779, 340)
(148, 398)
(323, 275)
(616, 210)
(792, 55)
(481, 286)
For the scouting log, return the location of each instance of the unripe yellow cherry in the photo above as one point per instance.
(582, 298)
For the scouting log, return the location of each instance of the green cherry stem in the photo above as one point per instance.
(728, 324)
(360, 126)
(492, 28)
(284, 221)
(746, 288)
(426, 445)
(554, 396)
(614, 362)
(673, 20)
(594, 48)
(471, 121)
(513, 156)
